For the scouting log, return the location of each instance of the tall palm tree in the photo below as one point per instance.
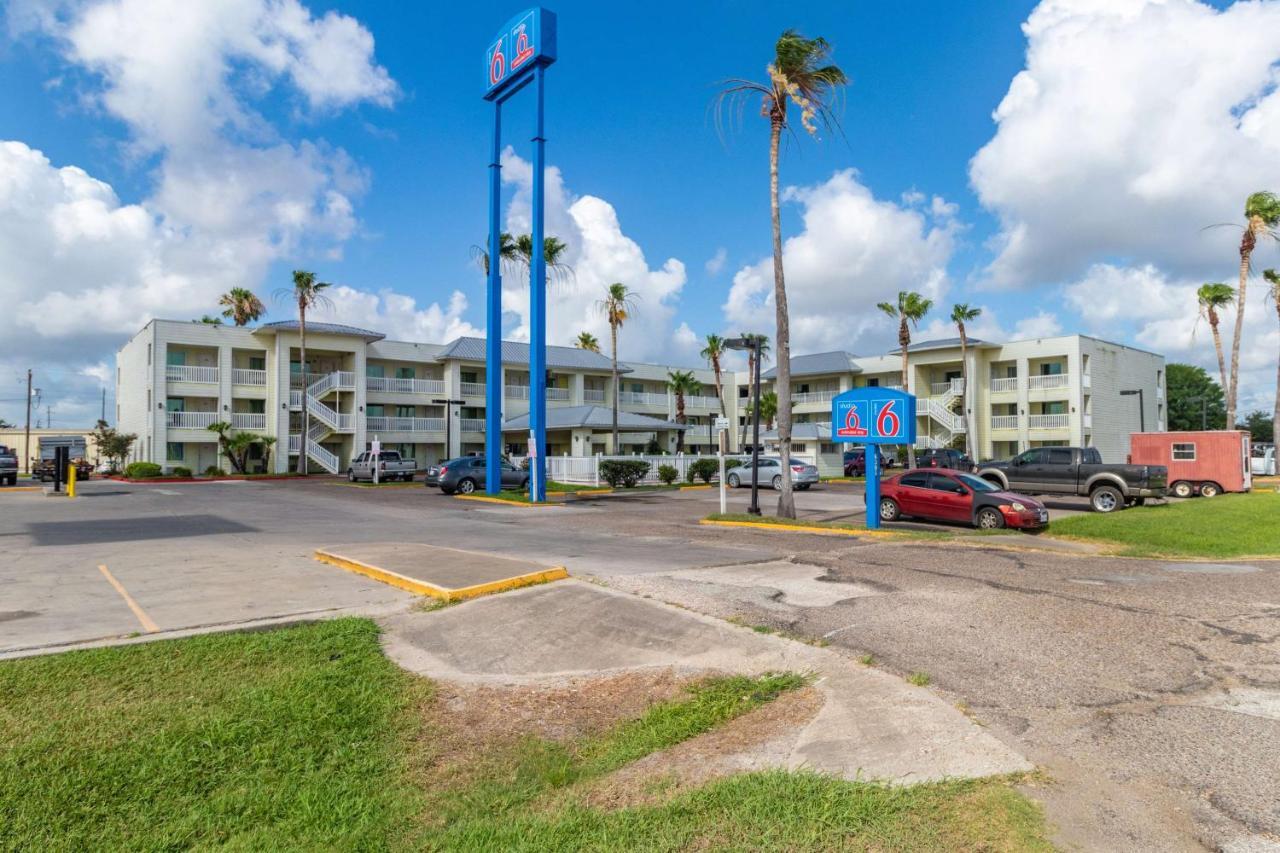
(1273, 290)
(1213, 297)
(587, 341)
(751, 372)
(713, 352)
(961, 313)
(800, 73)
(508, 256)
(553, 252)
(618, 304)
(242, 306)
(909, 311)
(306, 293)
(1262, 215)
(680, 383)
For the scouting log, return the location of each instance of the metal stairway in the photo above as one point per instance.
(940, 409)
(325, 420)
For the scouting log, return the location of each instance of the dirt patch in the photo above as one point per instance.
(754, 741)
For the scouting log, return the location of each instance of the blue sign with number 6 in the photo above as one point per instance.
(874, 416)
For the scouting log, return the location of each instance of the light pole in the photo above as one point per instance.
(753, 344)
(1142, 408)
(448, 422)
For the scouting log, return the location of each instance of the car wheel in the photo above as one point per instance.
(734, 482)
(990, 518)
(1182, 489)
(467, 486)
(524, 484)
(1210, 490)
(889, 510)
(1106, 499)
(351, 476)
(777, 482)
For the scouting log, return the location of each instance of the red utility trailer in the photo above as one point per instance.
(1204, 463)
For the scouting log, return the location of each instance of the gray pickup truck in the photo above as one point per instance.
(8, 466)
(1078, 471)
(390, 467)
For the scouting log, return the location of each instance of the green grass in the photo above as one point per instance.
(919, 679)
(308, 738)
(825, 525)
(1244, 525)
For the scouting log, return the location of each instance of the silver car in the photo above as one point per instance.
(803, 475)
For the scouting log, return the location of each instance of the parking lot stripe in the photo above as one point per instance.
(147, 625)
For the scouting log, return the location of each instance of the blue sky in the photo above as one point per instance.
(404, 144)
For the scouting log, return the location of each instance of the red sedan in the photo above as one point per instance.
(955, 496)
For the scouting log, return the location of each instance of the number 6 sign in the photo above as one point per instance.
(873, 416)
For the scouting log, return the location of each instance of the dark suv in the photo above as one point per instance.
(8, 466)
(945, 458)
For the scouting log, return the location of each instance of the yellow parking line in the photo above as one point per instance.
(147, 625)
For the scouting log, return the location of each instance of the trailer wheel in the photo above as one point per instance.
(1210, 490)
(1182, 489)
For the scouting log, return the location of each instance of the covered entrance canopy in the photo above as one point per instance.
(576, 430)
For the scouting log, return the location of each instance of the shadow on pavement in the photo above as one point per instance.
(80, 532)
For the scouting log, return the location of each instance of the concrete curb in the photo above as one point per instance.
(797, 528)
(488, 500)
(421, 587)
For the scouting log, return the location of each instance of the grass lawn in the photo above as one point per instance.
(1244, 525)
(307, 737)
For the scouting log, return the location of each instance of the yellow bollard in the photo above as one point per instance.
(71, 481)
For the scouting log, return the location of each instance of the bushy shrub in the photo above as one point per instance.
(214, 471)
(180, 471)
(667, 474)
(705, 469)
(623, 472)
(142, 470)
(730, 464)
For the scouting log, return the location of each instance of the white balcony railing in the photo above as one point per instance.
(643, 398)
(471, 424)
(560, 394)
(595, 395)
(472, 389)
(381, 424)
(1004, 421)
(1050, 421)
(812, 397)
(190, 420)
(1051, 380)
(392, 385)
(701, 402)
(1004, 384)
(249, 420)
(295, 400)
(191, 373)
(241, 376)
(295, 442)
(948, 388)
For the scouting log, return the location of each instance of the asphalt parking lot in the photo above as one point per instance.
(1149, 691)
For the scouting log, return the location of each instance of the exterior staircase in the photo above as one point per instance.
(940, 408)
(325, 420)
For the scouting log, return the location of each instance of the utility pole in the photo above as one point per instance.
(27, 444)
(104, 404)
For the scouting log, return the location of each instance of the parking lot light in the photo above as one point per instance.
(752, 344)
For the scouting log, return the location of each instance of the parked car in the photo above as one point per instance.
(1078, 471)
(8, 466)
(945, 458)
(855, 461)
(1205, 462)
(1264, 460)
(945, 495)
(390, 467)
(467, 474)
(803, 475)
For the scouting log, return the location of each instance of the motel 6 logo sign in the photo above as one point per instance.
(874, 416)
(524, 42)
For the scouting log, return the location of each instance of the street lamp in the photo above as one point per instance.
(1142, 408)
(448, 422)
(752, 344)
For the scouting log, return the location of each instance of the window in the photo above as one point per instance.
(174, 451)
(942, 483)
(1091, 456)
(404, 373)
(1059, 457)
(406, 411)
(257, 407)
(1032, 457)
(1184, 452)
(468, 376)
(148, 355)
(827, 448)
(375, 371)
(799, 448)
(175, 404)
(919, 480)
(175, 357)
(373, 410)
(1056, 408)
(257, 362)
(873, 382)
(1052, 368)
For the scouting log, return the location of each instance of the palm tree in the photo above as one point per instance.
(267, 442)
(1262, 215)
(680, 383)
(223, 430)
(961, 313)
(209, 320)
(713, 352)
(1273, 282)
(617, 305)
(241, 305)
(751, 371)
(768, 408)
(1214, 296)
(799, 73)
(909, 311)
(553, 249)
(587, 341)
(305, 293)
(507, 254)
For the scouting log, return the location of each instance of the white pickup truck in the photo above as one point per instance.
(390, 467)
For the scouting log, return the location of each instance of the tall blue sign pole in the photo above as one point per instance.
(872, 417)
(517, 55)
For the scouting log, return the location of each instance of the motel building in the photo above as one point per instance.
(175, 378)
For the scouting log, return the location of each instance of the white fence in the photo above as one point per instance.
(241, 376)
(1047, 381)
(395, 385)
(585, 470)
(190, 420)
(191, 373)
(249, 420)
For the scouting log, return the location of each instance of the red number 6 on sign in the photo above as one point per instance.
(887, 422)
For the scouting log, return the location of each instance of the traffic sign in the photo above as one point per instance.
(720, 424)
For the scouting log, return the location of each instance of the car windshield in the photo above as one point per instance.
(976, 483)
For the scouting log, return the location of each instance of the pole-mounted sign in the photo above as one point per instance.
(515, 57)
(872, 417)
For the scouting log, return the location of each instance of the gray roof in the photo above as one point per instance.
(940, 343)
(514, 352)
(571, 417)
(818, 363)
(321, 329)
(814, 431)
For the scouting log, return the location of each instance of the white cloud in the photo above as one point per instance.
(100, 371)
(1134, 124)
(1039, 325)
(853, 252)
(599, 254)
(398, 316)
(715, 264)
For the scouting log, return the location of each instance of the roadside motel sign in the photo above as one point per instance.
(871, 417)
